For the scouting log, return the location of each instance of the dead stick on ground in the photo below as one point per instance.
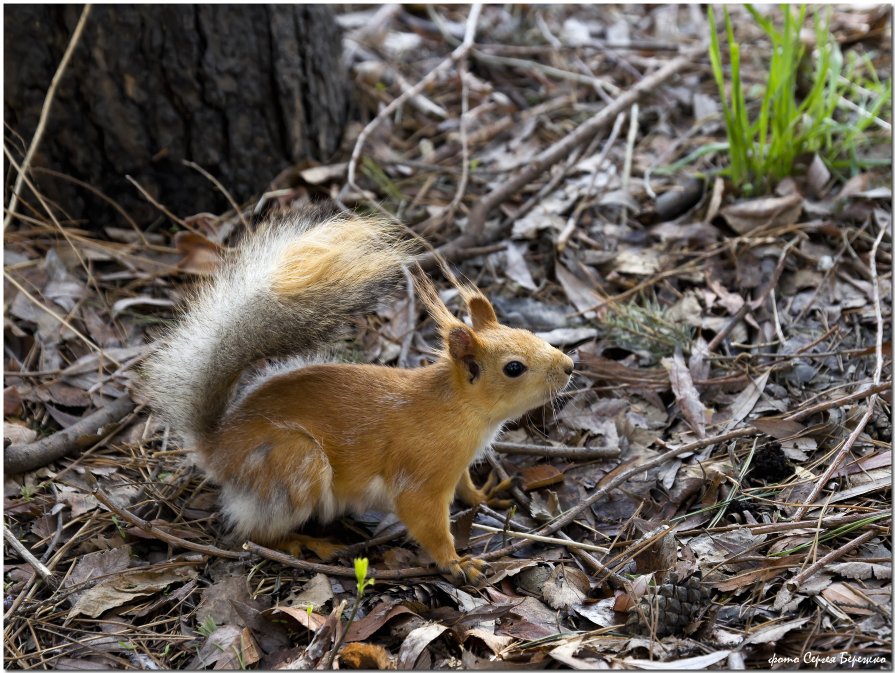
(45, 112)
(27, 556)
(579, 137)
(871, 403)
(839, 401)
(794, 583)
(335, 571)
(24, 457)
(572, 452)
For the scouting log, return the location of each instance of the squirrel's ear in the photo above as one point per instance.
(462, 348)
(480, 310)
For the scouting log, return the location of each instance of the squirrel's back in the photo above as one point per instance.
(285, 290)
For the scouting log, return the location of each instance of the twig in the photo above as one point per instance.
(335, 571)
(541, 538)
(583, 203)
(563, 148)
(458, 53)
(45, 112)
(217, 183)
(146, 195)
(24, 457)
(871, 403)
(633, 125)
(464, 140)
(100, 195)
(615, 580)
(839, 401)
(794, 583)
(562, 451)
(27, 556)
(320, 643)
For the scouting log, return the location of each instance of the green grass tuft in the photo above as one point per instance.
(762, 150)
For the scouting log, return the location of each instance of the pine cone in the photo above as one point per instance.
(669, 608)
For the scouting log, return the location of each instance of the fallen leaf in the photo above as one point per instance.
(539, 476)
(125, 587)
(317, 592)
(767, 212)
(689, 664)
(774, 632)
(373, 621)
(860, 570)
(415, 642)
(686, 394)
(228, 647)
(566, 586)
(516, 268)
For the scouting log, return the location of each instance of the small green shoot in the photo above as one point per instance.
(361, 565)
(207, 627)
(360, 572)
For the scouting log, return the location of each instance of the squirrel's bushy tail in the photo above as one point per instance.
(284, 291)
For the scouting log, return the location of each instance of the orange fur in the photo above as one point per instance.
(320, 439)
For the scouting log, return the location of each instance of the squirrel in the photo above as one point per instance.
(310, 437)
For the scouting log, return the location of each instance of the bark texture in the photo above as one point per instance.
(241, 90)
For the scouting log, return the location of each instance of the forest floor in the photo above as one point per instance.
(714, 491)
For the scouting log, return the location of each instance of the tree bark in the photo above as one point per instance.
(242, 90)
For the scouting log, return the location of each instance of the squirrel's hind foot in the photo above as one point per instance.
(323, 549)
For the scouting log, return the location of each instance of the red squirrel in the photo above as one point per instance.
(308, 437)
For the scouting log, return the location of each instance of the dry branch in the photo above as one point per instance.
(24, 457)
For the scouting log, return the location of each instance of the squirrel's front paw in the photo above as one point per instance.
(470, 571)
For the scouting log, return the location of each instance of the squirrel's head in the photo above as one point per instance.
(508, 371)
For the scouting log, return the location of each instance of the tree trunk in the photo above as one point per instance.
(241, 90)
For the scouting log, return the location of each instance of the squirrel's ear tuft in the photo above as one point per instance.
(480, 310)
(463, 347)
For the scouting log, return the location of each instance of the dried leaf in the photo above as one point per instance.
(689, 664)
(686, 394)
(414, 644)
(317, 592)
(539, 476)
(516, 267)
(227, 648)
(566, 586)
(766, 212)
(773, 633)
(859, 570)
(125, 587)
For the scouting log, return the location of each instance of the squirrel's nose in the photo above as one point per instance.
(568, 370)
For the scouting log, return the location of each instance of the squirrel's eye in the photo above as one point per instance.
(514, 369)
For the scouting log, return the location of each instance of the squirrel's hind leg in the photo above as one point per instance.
(295, 542)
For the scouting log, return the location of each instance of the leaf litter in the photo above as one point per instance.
(726, 349)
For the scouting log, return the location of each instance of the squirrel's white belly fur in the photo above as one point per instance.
(247, 511)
